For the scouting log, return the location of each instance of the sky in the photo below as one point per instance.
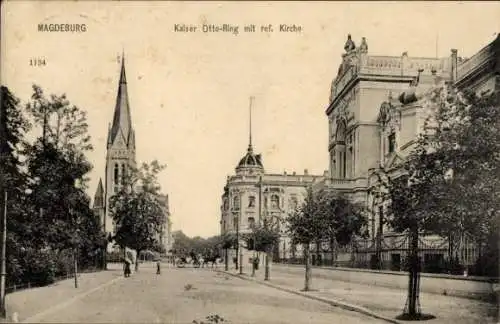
(189, 92)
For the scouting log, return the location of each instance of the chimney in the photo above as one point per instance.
(454, 65)
(306, 172)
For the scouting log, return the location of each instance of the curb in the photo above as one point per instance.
(335, 303)
(36, 317)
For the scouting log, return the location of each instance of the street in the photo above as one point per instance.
(185, 295)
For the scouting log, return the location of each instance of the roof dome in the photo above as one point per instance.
(250, 161)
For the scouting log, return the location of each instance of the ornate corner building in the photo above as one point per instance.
(252, 195)
(376, 110)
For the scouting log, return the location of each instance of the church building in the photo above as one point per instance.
(120, 158)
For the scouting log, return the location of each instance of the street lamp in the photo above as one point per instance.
(3, 272)
(239, 224)
(76, 236)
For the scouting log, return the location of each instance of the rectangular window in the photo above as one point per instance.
(392, 142)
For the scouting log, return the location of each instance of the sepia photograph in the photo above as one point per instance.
(256, 162)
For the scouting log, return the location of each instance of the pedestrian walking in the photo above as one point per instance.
(126, 269)
(158, 267)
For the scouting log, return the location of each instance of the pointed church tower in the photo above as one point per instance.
(120, 147)
(98, 206)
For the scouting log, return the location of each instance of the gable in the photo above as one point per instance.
(394, 160)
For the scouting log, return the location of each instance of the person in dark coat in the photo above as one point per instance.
(127, 269)
(158, 267)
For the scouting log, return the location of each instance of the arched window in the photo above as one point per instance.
(251, 202)
(116, 179)
(341, 151)
(275, 201)
(392, 142)
(123, 174)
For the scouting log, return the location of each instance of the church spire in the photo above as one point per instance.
(250, 148)
(122, 121)
(99, 195)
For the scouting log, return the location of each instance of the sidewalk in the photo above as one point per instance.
(30, 302)
(384, 303)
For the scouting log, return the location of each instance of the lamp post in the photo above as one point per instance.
(76, 237)
(3, 272)
(239, 224)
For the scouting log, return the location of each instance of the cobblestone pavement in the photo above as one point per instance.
(184, 295)
(386, 301)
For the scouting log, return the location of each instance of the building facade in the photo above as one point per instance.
(252, 195)
(165, 236)
(375, 112)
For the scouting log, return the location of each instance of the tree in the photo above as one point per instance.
(305, 226)
(262, 239)
(13, 127)
(229, 241)
(324, 215)
(446, 185)
(137, 209)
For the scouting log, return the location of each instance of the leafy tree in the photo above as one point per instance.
(13, 128)
(304, 227)
(262, 239)
(324, 215)
(137, 209)
(229, 241)
(446, 185)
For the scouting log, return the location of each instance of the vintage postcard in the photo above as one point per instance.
(249, 162)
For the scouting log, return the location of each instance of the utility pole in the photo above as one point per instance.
(3, 256)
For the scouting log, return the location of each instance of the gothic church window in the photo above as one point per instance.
(116, 174)
(123, 174)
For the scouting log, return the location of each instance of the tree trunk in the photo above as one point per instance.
(414, 275)
(318, 258)
(267, 270)
(307, 257)
(226, 261)
(332, 246)
(137, 261)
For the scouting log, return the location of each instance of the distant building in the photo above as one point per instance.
(165, 236)
(251, 195)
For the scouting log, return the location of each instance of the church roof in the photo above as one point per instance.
(122, 121)
(99, 195)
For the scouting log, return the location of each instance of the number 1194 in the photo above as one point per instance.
(37, 62)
